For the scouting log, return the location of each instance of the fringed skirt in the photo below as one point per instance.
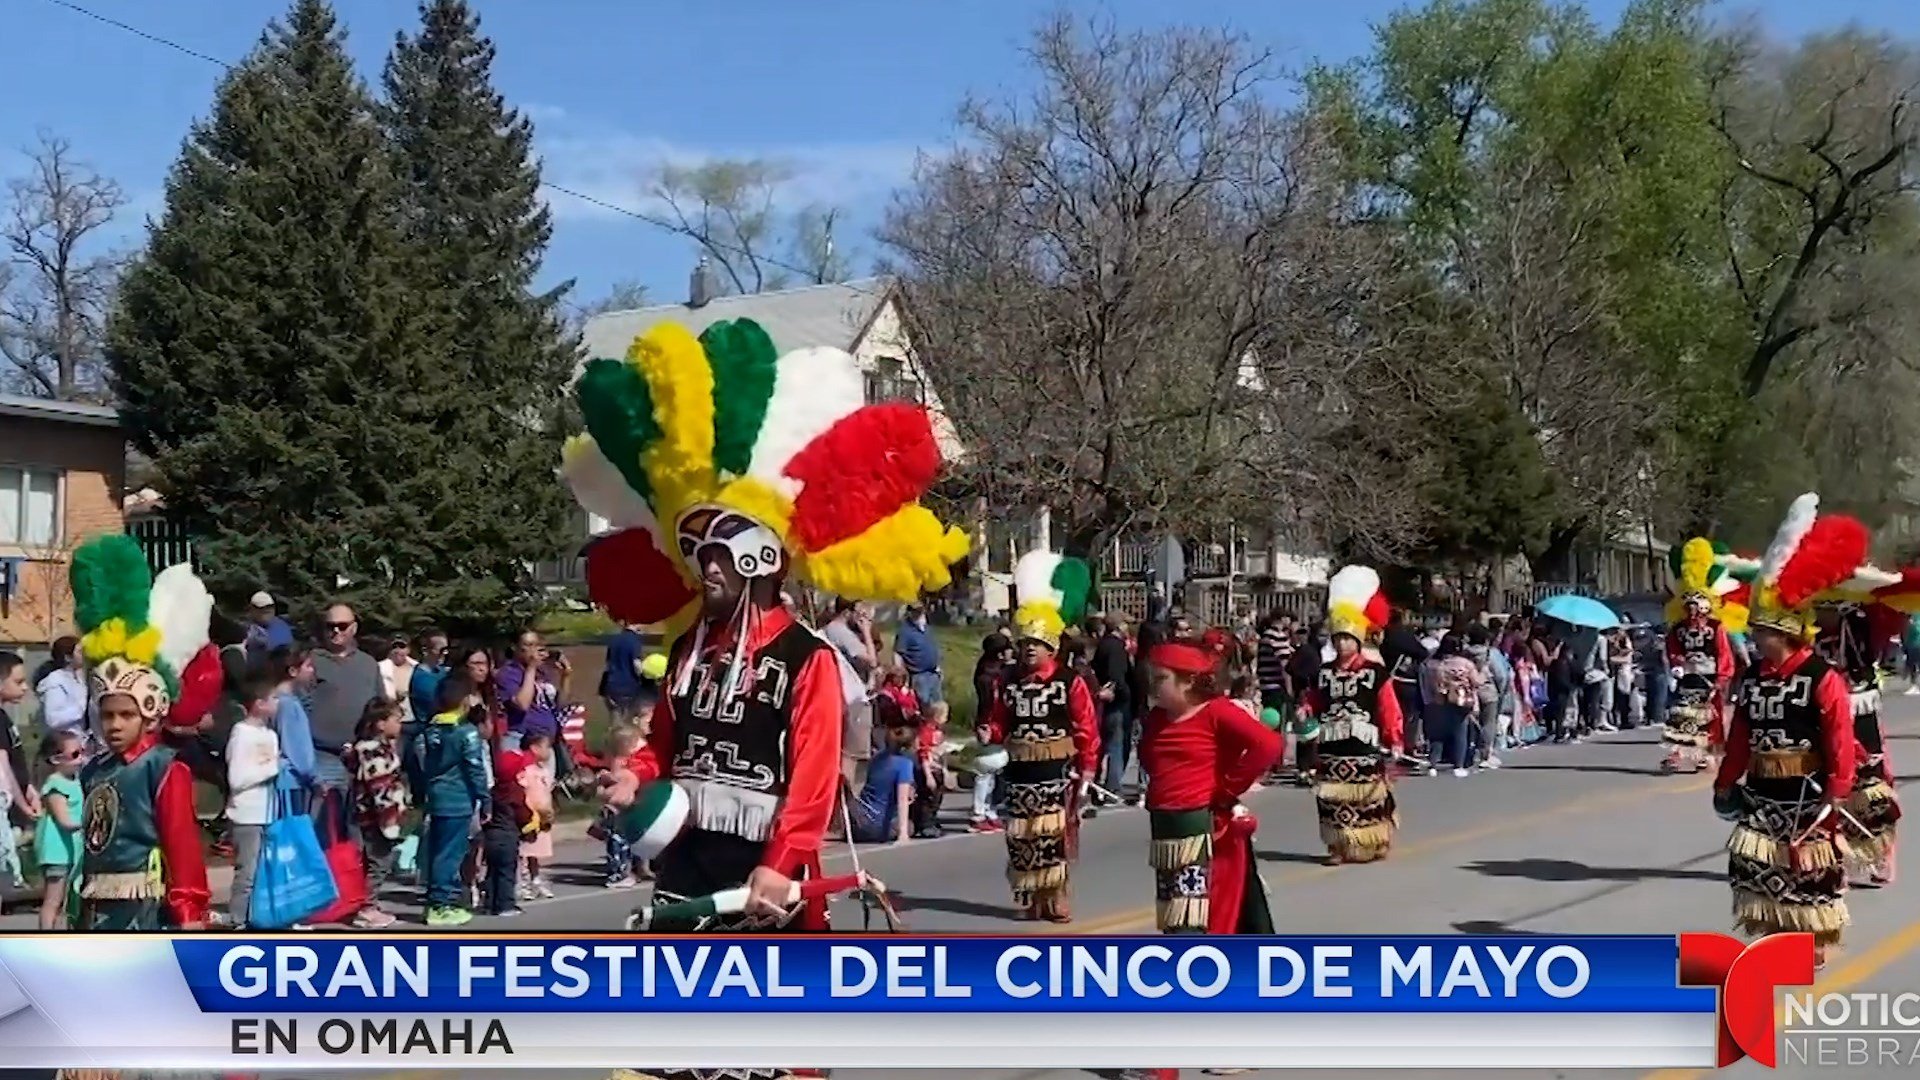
(1206, 881)
(1782, 886)
(1039, 796)
(1355, 803)
(1689, 721)
(1181, 854)
(1875, 805)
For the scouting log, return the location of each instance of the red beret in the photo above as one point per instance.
(1182, 659)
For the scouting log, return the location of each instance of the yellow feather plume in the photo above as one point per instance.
(760, 501)
(1696, 560)
(903, 555)
(1350, 619)
(1040, 621)
(106, 640)
(679, 464)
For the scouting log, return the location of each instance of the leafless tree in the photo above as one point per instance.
(1823, 135)
(1133, 295)
(54, 297)
(732, 210)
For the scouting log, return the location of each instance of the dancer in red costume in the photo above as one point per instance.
(1202, 752)
(1700, 656)
(1357, 717)
(730, 471)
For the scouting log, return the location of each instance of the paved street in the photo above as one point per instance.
(1579, 839)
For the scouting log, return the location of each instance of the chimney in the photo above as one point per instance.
(700, 287)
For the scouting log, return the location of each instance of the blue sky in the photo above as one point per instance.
(846, 90)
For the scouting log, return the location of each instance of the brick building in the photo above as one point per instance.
(63, 468)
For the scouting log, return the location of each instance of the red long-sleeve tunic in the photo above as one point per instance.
(1086, 718)
(1837, 742)
(813, 746)
(1209, 758)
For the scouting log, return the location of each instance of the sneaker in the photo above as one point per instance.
(541, 889)
(625, 882)
(1431, 771)
(1492, 762)
(984, 825)
(372, 918)
(1912, 690)
(1462, 773)
(1092, 811)
(524, 891)
(449, 916)
(1605, 727)
(510, 913)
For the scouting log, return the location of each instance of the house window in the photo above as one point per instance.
(29, 506)
(889, 381)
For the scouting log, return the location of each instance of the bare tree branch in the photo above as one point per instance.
(53, 302)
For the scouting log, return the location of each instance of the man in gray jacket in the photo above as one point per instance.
(344, 680)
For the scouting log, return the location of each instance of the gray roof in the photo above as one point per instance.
(816, 315)
(71, 412)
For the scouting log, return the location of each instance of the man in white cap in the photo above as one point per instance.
(266, 630)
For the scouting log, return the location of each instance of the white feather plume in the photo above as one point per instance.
(1353, 585)
(1033, 578)
(182, 609)
(1786, 540)
(812, 390)
(600, 489)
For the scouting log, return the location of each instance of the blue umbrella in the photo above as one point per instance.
(1579, 611)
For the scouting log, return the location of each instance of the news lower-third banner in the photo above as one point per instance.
(588, 1001)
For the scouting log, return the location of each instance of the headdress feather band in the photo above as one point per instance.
(722, 420)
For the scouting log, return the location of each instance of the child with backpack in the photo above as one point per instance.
(451, 782)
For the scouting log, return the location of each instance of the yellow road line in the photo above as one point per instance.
(1142, 918)
(1843, 978)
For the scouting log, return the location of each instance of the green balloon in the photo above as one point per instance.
(1271, 718)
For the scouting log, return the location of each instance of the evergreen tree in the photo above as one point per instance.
(471, 210)
(267, 350)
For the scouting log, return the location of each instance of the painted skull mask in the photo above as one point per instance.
(754, 550)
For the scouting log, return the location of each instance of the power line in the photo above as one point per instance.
(657, 222)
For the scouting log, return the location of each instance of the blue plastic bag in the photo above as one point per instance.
(292, 880)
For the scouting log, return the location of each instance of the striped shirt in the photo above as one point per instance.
(1270, 664)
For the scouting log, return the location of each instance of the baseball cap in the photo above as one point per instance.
(262, 600)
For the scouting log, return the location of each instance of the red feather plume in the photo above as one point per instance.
(1833, 548)
(868, 465)
(633, 579)
(1378, 610)
(199, 689)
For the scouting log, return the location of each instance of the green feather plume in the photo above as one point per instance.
(742, 357)
(618, 409)
(111, 580)
(1074, 579)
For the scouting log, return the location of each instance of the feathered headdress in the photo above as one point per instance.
(1699, 575)
(145, 637)
(1052, 591)
(1810, 555)
(692, 443)
(1355, 605)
